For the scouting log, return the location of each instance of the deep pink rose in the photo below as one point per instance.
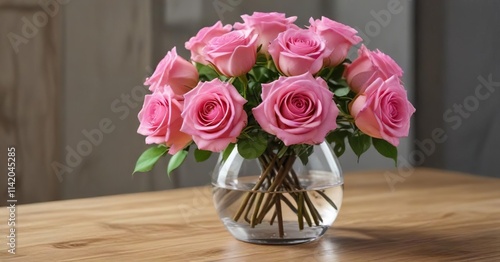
(173, 72)
(383, 110)
(297, 51)
(339, 38)
(160, 120)
(233, 53)
(267, 26)
(198, 42)
(297, 109)
(369, 66)
(214, 115)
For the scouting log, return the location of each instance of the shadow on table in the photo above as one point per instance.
(408, 243)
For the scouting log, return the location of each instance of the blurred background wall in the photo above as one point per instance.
(71, 75)
(458, 80)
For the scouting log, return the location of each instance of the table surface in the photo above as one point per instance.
(428, 215)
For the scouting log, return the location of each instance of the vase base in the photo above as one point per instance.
(268, 235)
(278, 241)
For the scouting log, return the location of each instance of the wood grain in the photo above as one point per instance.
(431, 216)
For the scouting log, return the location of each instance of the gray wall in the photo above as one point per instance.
(458, 45)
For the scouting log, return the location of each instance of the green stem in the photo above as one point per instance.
(254, 220)
(269, 63)
(273, 218)
(300, 208)
(244, 80)
(289, 204)
(295, 197)
(327, 199)
(329, 74)
(256, 187)
(269, 207)
(280, 216)
(249, 207)
(312, 210)
(277, 181)
(346, 116)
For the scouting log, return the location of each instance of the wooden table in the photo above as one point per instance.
(430, 216)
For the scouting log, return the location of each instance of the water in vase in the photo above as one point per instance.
(284, 217)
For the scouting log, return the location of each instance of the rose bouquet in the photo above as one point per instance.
(271, 91)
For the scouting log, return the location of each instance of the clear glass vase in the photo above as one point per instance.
(278, 199)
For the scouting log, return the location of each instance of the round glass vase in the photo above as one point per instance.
(278, 199)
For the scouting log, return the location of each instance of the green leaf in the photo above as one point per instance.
(240, 83)
(261, 59)
(148, 158)
(338, 71)
(304, 153)
(342, 82)
(201, 155)
(344, 105)
(282, 151)
(342, 91)
(325, 72)
(176, 160)
(337, 137)
(339, 148)
(224, 78)
(206, 72)
(261, 74)
(359, 143)
(304, 159)
(252, 147)
(258, 73)
(386, 149)
(227, 151)
(253, 96)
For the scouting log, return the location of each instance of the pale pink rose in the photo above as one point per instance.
(160, 120)
(297, 51)
(383, 110)
(198, 42)
(369, 66)
(267, 26)
(214, 115)
(234, 53)
(173, 72)
(297, 109)
(339, 38)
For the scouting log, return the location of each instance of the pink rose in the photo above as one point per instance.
(160, 120)
(383, 110)
(296, 52)
(339, 38)
(198, 42)
(214, 115)
(233, 53)
(297, 109)
(369, 66)
(267, 26)
(175, 72)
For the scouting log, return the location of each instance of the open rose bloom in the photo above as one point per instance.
(267, 83)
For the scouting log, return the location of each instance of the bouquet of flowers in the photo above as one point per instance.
(271, 90)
